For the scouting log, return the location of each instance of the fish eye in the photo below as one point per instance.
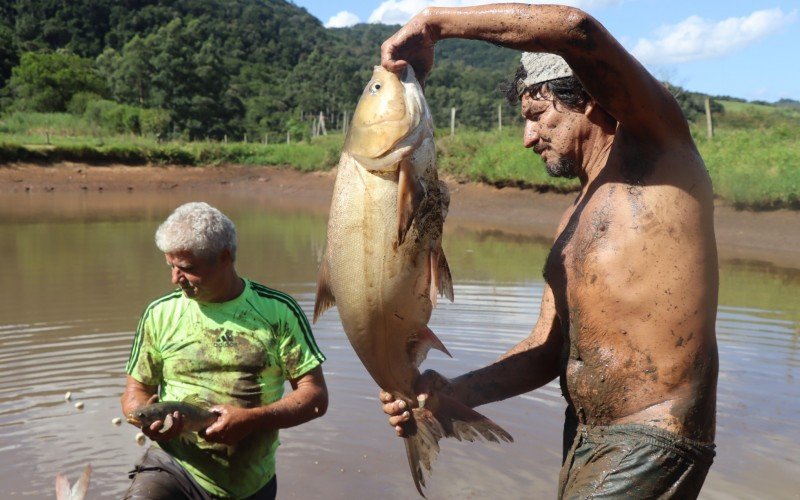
(375, 87)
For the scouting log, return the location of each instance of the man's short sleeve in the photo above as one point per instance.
(145, 363)
(297, 348)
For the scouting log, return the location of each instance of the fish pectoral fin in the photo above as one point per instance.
(325, 299)
(409, 197)
(425, 340)
(441, 279)
(167, 425)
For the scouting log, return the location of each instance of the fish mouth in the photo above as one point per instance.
(133, 420)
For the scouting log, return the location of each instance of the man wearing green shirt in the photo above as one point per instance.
(226, 341)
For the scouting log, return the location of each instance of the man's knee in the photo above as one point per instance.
(158, 477)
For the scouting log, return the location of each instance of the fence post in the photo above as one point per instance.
(344, 124)
(452, 122)
(709, 123)
(500, 117)
(288, 137)
(321, 124)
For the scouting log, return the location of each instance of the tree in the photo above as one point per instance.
(46, 81)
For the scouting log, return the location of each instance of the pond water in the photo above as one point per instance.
(78, 270)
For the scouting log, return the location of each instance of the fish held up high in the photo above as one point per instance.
(383, 265)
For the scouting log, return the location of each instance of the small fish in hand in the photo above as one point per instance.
(194, 413)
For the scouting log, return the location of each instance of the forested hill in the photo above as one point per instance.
(214, 68)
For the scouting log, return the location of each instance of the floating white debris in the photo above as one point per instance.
(67, 396)
(116, 421)
(140, 439)
(79, 405)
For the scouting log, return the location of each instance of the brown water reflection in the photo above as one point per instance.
(79, 269)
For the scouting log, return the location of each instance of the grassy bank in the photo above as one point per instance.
(753, 158)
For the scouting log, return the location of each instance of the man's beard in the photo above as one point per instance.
(564, 167)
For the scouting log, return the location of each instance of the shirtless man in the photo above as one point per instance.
(628, 313)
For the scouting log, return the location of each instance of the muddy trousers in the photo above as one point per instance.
(159, 477)
(633, 461)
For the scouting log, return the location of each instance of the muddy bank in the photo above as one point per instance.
(768, 237)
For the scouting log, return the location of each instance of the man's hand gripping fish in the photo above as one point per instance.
(384, 266)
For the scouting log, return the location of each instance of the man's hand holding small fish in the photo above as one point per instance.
(163, 430)
(232, 425)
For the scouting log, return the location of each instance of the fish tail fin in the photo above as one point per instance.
(62, 487)
(78, 490)
(442, 417)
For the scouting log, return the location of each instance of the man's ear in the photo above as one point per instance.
(225, 256)
(597, 114)
(590, 109)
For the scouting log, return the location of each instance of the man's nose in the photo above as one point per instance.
(531, 134)
(176, 275)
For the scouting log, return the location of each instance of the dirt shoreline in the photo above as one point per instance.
(765, 237)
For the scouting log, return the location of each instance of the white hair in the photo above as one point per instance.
(199, 228)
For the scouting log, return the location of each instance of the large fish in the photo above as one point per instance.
(383, 265)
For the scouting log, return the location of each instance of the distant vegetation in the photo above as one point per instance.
(210, 81)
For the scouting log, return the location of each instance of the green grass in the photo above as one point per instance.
(753, 159)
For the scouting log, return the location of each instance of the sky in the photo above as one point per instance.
(749, 50)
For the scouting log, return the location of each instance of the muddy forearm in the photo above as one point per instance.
(135, 395)
(308, 400)
(521, 370)
(548, 28)
(298, 407)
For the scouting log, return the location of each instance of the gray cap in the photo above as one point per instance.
(542, 67)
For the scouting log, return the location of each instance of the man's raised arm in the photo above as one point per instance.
(611, 75)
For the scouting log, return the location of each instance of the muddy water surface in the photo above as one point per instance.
(77, 270)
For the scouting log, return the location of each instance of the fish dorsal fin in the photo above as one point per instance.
(195, 400)
(325, 299)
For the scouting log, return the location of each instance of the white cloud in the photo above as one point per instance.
(342, 20)
(400, 11)
(695, 39)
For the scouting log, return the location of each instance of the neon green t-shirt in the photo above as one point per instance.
(239, 353)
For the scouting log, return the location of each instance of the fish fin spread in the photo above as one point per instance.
(325, 299)
(441, 279)
(78, 490)
(444, 417)
(425, 340)
(409, 197)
